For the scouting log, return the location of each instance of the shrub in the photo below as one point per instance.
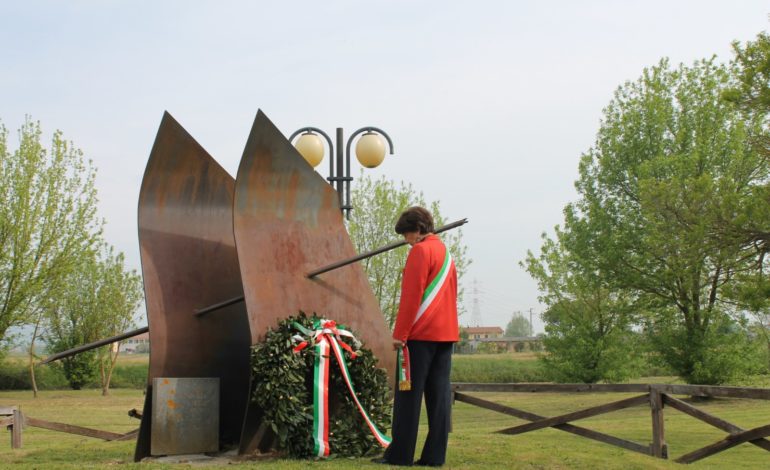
(14, 375)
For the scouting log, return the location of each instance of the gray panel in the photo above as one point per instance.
(185, 415)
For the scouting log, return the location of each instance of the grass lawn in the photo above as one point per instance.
(497, 368)
(472, 444)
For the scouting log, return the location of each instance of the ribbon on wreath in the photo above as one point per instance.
(325, 336)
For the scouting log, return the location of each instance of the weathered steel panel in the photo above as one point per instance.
(189, 261)
(185, 415)
(287, 222)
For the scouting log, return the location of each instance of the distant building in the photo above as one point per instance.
(136, 344)
(483, 332)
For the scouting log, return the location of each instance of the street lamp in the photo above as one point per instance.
(370, 152)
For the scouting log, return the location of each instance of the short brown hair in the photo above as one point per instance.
(415, 219)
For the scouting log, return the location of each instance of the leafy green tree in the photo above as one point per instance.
(47, 220)
(378, 204)
(752, 70)
(118, 298)
(665, 193)
(518, 326)
(751, 92)
(588, 325)
(100, 301)
(73, 320)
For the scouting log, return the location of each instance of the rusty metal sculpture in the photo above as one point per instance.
(293, 254)
(287, 222)
(188, 260)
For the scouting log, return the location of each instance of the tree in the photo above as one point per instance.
(47, 220)
(100, 301)
(588, 325)
(752, 71)
(664, 195)
(751, 92)
(378, 205)
(119, 296)
(518, 326)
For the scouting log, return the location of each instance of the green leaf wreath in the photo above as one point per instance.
(282, 389)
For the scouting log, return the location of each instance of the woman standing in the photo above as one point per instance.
(425, 331)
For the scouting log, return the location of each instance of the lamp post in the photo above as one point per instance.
(370, 152)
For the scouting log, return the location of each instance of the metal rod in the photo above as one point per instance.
(224, 304)
(94, 345)
(383, 249)
(336, 265)
(340, 170)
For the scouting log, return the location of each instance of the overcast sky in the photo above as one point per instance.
(489, 103)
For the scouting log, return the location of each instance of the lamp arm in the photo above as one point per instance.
(347, 154)
(366, 129)
(328, 141)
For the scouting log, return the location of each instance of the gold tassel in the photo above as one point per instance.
(405, 385)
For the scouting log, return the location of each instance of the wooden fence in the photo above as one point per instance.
(15, 421)
(656, 396)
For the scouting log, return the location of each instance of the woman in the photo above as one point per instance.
(426, 329)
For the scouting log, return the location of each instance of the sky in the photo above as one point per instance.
(490, 104)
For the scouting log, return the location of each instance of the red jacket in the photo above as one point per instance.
(428, 307)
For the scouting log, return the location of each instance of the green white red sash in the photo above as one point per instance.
(435, 286)
(430, 294)
(404, 369)
(326, 336)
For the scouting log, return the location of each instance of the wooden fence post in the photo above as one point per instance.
(18, 424)
(659, 449)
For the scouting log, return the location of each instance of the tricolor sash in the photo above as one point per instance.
(435, 286)
(430, 294)
(404, 370)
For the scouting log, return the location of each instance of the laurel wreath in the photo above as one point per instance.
(282, 388)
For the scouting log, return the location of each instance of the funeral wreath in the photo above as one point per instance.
(297, 366)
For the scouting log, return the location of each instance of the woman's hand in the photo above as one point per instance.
(397, 344)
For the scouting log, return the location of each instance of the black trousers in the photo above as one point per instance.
(431, 363)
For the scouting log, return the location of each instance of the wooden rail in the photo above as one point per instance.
(15, 421)
(657, 396)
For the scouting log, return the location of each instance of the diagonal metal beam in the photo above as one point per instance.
(383, 249)
(333, 266)
(95, 344)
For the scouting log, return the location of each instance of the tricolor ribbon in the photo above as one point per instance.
(323, 337)
(404, 369)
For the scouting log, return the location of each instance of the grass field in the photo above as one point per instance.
(472, 443)
(497, 368)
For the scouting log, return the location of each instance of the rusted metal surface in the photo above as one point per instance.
(185, 415)
(188, 260)
(287, 221)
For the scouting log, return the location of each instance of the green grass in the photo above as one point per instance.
(497, 368)
(472, 444)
